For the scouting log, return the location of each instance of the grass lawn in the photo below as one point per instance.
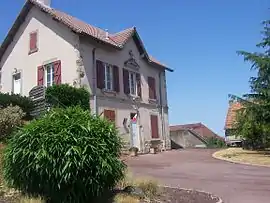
(238, 155)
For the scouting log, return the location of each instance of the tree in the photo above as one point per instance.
(253, 121)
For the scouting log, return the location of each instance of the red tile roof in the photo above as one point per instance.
(231, 114)
(117, 40)
(199, 128)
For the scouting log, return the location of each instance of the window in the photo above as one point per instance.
(152, 88)
(132, 83)
(49, 70)
(154, 126)
(16, 87)
(109, 77)
(33, 42)
(109, 114)
(49, 74)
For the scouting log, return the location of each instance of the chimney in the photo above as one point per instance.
(107, 34)
(45, 2)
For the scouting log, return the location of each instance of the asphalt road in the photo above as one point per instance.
(196, 169)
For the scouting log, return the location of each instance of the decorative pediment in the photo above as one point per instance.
(131, 62)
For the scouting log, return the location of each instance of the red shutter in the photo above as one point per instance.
(109, 115)
(112, 116)
(100, 75)
(126, 81)
(139, 86)
(40, 76)
(152, 88)
(116, 79)
(154, 126)
(57, 72)
(33, 41)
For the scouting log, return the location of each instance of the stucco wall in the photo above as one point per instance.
(120, 102)
(185, 139)
(55, 42)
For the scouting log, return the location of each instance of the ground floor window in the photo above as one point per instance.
(16, 86)
(154, 126)
(109, 114)
(49, 71)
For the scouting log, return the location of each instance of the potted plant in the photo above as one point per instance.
(133, 151)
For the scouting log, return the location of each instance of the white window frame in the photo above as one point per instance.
(132, 75)
(46, 67)
(109, 78)
(13, 80)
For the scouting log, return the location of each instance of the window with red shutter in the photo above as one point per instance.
(100, 74)
(154, 126)
(152, 88)
(33, 46)
(40, 76)
(57, 72)
(109, 115)
(126, 81)
(139, 87)
(116, 79)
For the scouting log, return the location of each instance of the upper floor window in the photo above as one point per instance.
(33, 42)
(152, 88)
(107, 76)
(132, 83)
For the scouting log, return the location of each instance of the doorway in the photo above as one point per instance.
(134, 131)
(17, 83)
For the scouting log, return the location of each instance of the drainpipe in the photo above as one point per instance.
(161, 109)
(94, 77)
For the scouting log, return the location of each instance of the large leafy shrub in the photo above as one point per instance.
(25, 103)
(66, 96)
(66, 156)
(10, 118)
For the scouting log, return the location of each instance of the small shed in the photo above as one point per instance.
(193, 135)
(184, 138)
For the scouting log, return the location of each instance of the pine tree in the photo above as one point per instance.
(253, 121)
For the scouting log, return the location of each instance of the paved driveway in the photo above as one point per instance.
(234, 183)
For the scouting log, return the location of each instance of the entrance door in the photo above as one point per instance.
(134, 131)
(17, 83)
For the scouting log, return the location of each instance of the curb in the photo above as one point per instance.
(201, 191)
(237, 162)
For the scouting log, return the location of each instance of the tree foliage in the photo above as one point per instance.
(25, 103)
(67, 156)
(215, 142)
(10, 119)
(253, 120)
(65, 95)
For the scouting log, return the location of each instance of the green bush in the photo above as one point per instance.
(25, 103)
(215, 142)
(66, 156)
(66, 96)
(10, 118)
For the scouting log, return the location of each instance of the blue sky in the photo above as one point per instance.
(198, 39)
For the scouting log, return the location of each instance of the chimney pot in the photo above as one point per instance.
(107, 34)
(45, 2)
